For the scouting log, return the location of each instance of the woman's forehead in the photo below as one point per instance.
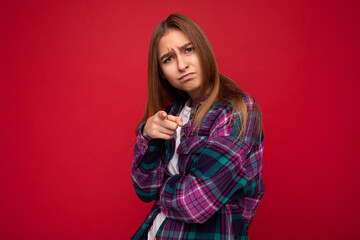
(174, 39)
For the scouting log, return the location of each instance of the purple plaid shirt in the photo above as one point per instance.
(219, 185)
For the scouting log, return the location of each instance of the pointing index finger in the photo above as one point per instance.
(162, 114)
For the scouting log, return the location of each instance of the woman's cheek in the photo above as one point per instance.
(168, 71)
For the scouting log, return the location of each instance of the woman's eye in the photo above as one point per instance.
(168, 59)
(190, 49)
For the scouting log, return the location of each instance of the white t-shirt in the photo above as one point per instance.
(172, 168)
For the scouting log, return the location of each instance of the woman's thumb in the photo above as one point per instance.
(179, 121)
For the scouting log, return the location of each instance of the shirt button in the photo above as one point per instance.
(143, 145)
(182, 134)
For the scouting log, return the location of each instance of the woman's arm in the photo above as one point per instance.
(150, 153)
(147, 171)
(224, 167)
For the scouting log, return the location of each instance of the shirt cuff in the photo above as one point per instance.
(142, 141)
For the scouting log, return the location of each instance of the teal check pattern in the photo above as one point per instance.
(219, 185)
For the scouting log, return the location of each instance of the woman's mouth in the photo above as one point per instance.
(186, 76)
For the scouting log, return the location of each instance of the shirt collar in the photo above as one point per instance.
(199, 102)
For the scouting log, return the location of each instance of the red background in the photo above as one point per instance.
(73, 86)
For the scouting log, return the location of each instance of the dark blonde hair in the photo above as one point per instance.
(161, 95)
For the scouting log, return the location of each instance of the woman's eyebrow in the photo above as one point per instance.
(169, 53)
(165, 55)
(185, 45)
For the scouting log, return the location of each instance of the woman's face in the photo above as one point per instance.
(180, 63)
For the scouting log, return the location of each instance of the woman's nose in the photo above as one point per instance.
(182, 65)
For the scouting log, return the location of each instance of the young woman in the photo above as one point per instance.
(199, 144)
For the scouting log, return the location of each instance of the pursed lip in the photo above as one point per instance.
(186, 76)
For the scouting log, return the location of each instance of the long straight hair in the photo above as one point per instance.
(161, 95)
